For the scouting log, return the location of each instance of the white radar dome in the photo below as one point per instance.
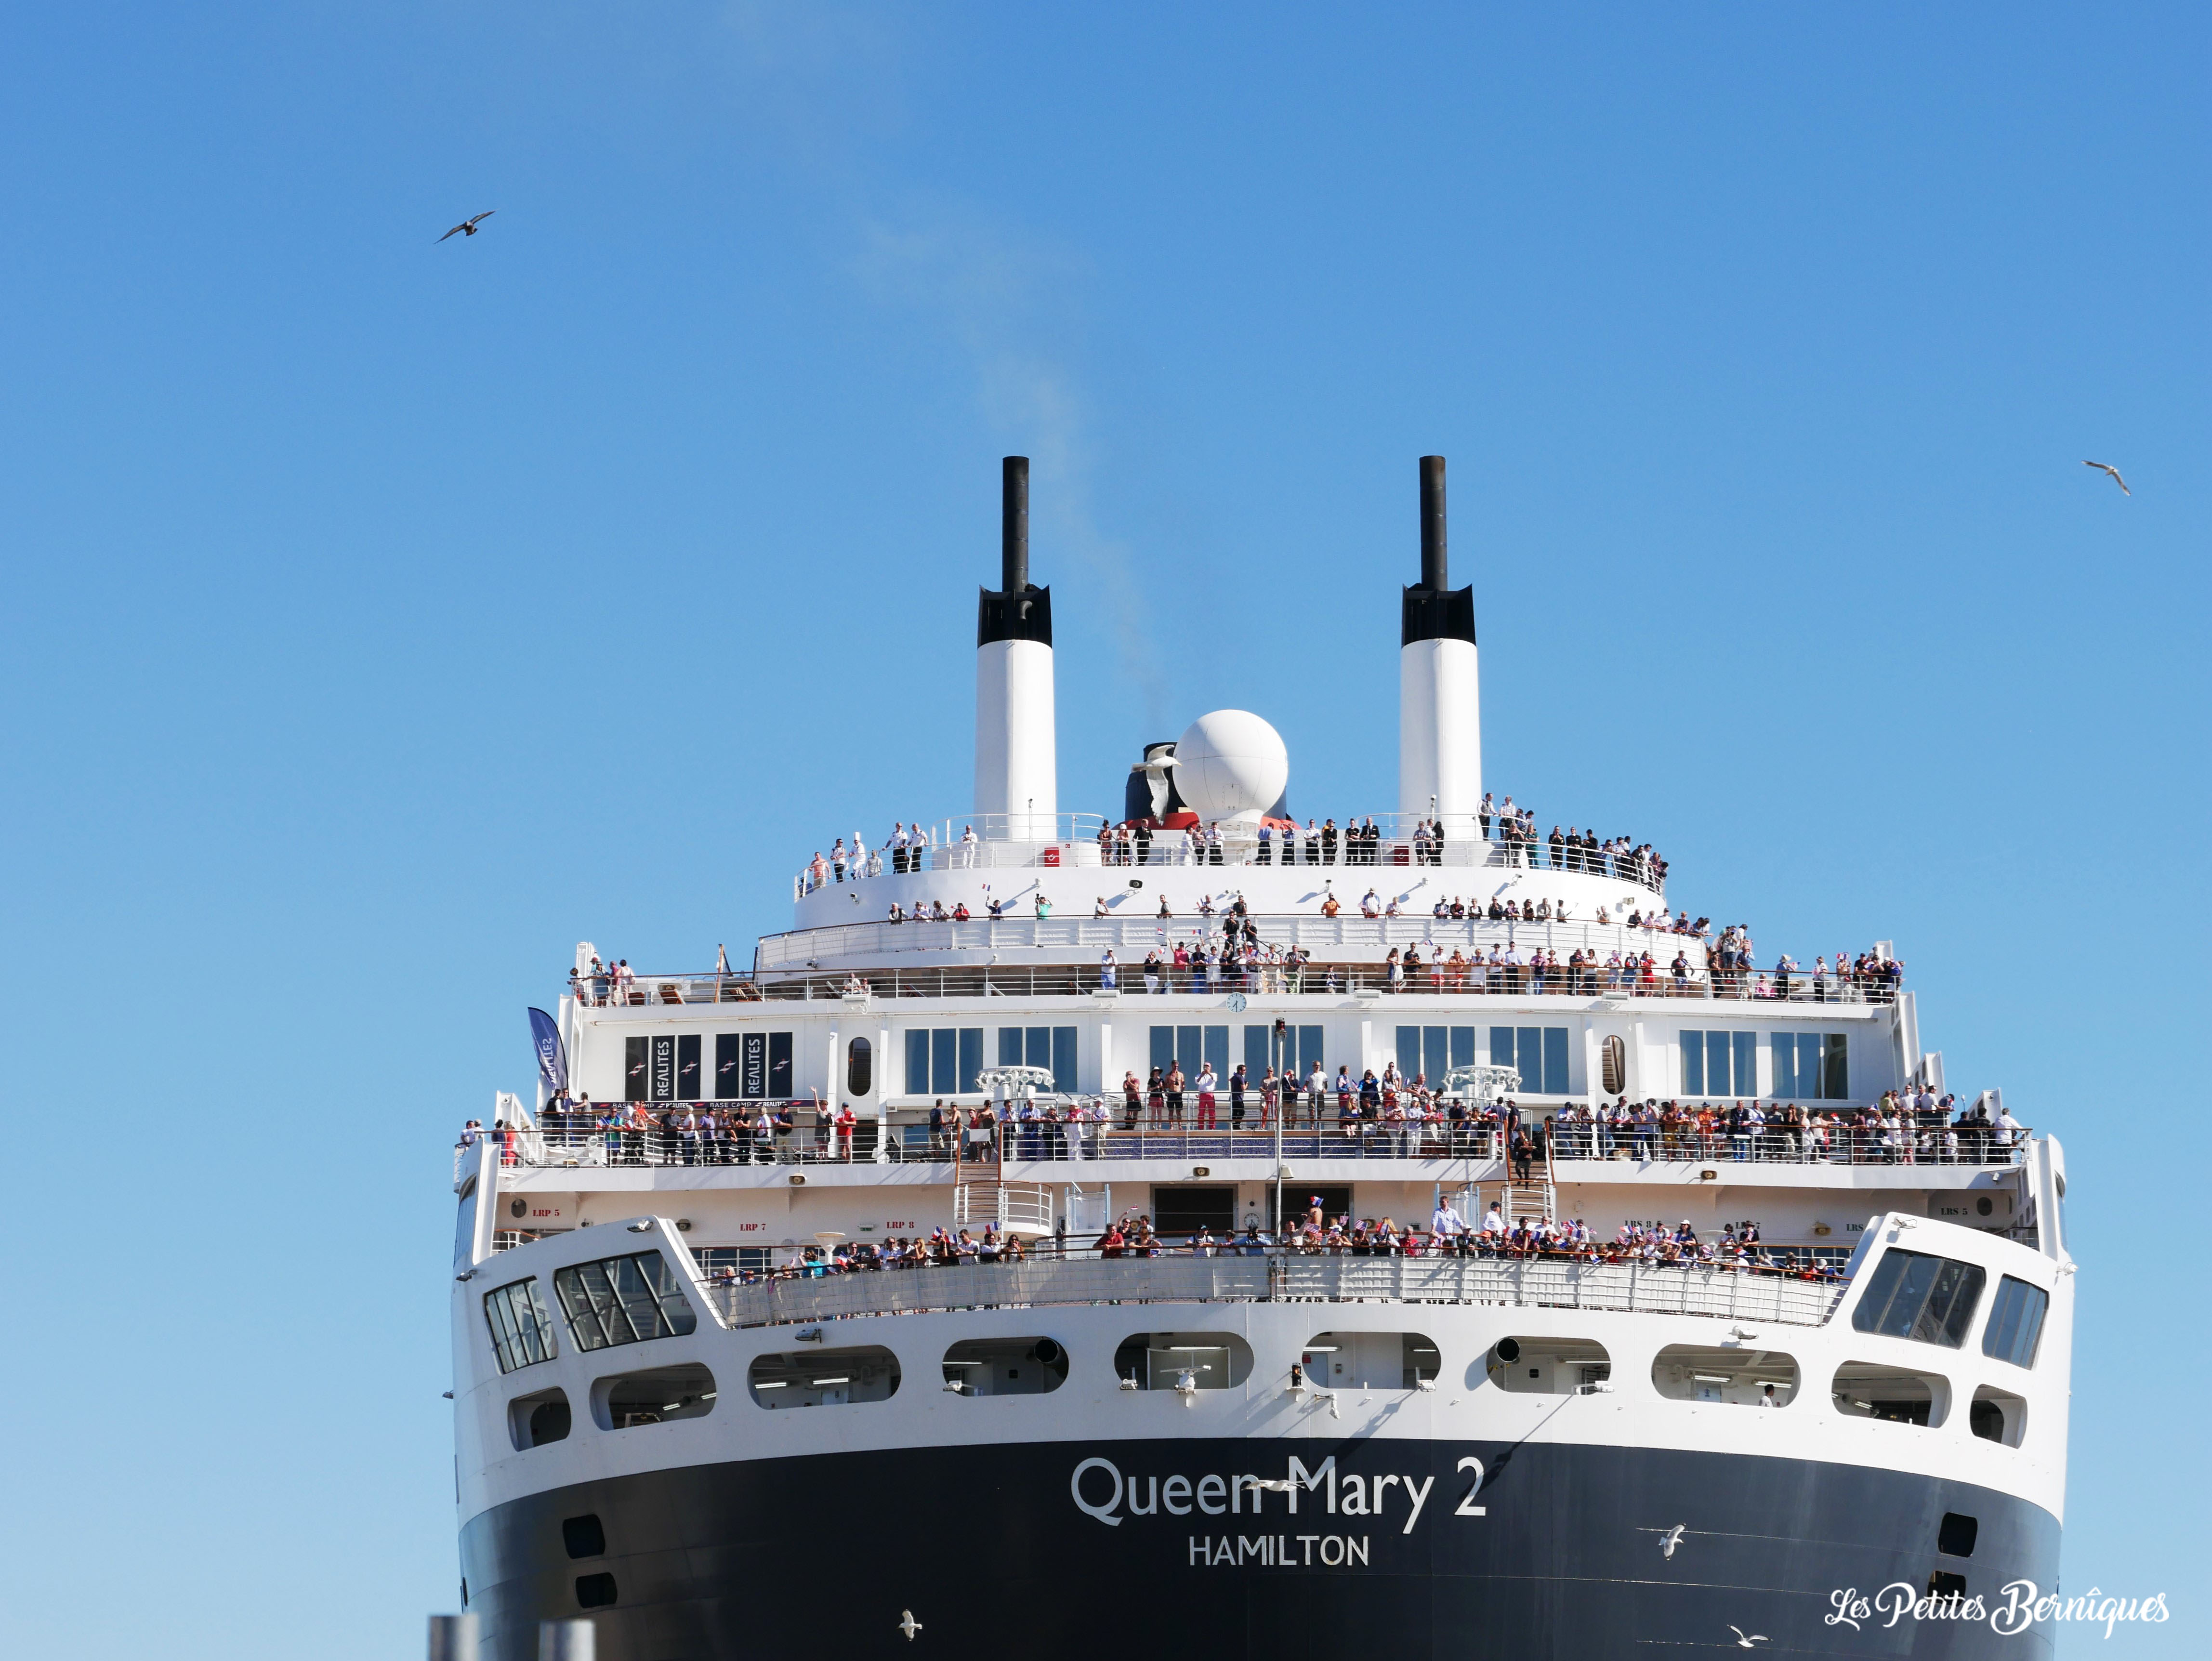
(1232, 765)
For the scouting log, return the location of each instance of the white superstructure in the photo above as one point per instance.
(641, 1299)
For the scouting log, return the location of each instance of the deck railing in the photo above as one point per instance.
(1279, 1277)
(807, 1145)
(783, 972)
(1020, 840)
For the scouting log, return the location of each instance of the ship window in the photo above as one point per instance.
(653, 1396)
(1810, 1067)
(583, 1536)
(1997, 1415)
(1957, 1535)
(1052, 1048)
(813, 1377)
(1161, 1360)
(595, 1592)
(1005, 1366)
(521, 1335)
(859, 1067)
(1433, 1051)
(1371, 1360)
(944, 1060)
(1720, 1063)
(534, 1420)
(1538, 1053)
(1544, 1366)
(1741, 1377)
(1913, 1295)
(1615, 1051)
(1299, 1051)
(1189, 1047)
(622, 1300)
(1944, 1583)
(2015, 1321)
(1870, 1389)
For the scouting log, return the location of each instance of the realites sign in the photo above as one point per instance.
(1388, 1502)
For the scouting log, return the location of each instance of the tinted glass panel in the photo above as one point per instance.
(1528, 1057)
(1462, 1045)
(1745, 1046)
(622, 1300)
(520, 1333)
(687, 1067)
(917, 1063)
(2016, 1323)
(1913, 1294)
(728, 1083)
(1501, 1048)
(1784, 1046)
(1694, 1063)
(1719, 1080)
(1010, 1046)
(1835, 1067)
(943, 1062)
(859, 1067)
(1063, 1058)
(1555, 1060)
(971, 1059)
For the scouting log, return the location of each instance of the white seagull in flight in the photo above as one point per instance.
(2107, 467)
(908, 1625)
(468, 226)
(1671, 1539)
(1744, 1640)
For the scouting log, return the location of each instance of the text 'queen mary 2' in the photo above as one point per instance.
(698, 1402)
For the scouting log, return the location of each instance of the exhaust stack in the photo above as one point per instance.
(1439, 701)
(1017, 764)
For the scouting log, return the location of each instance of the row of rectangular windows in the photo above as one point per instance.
(1806, 1066)
(947, 1061)
(606, 1302)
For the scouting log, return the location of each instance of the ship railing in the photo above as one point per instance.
(1279, 1276)
(1048, 1143)
(1021, 841)
(1321, 976)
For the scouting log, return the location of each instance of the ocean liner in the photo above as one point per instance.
(1199, 1231)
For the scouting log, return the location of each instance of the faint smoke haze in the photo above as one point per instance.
(995, 295)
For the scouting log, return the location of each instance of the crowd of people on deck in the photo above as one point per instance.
(1737, 1246)
(1381, 1115)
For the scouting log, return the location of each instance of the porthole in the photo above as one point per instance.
(1543, 1367)
(653, 1395)
(1731, 1378)
(1371, 1360)
(1170, 1360)
(1615, 1066)
(1869, 1390)
(829, 1377)
(1005, 1367)
(535, 1420)
(859, 1067)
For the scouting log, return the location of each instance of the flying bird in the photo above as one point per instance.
(1744, 1640)
(908, 1624)
(468, 228)
(2107, 467)
(1671, 1539)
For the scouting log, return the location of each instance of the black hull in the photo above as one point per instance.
(820, 1555)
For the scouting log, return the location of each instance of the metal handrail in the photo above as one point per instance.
(1321, 976)
(1276, 1276)
(1005, 840)
(1044, 1142)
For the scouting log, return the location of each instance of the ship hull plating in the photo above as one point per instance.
(1398, 1547)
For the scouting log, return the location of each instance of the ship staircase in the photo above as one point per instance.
(1536, 1200)
(980, 1192)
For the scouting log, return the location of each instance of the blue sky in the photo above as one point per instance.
(384, 617)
